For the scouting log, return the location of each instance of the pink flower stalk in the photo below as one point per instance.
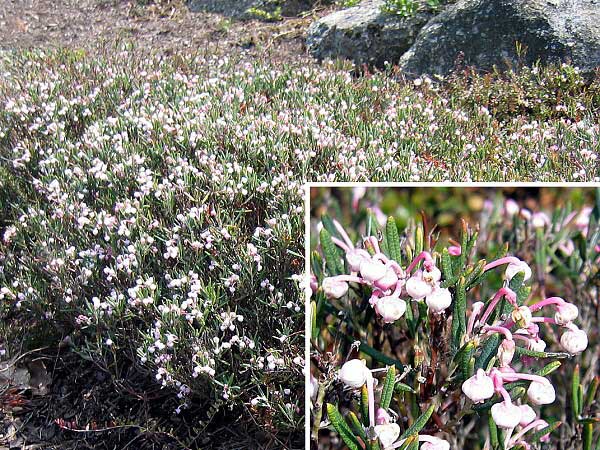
(502, 292)
(475, 310)
(427, 263)
(534, 425)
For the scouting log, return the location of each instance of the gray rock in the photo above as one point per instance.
(364, 34)
(484, 33)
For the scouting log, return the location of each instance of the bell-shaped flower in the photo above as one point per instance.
(537, 345)
(565, 313)
(528, 415)
(433, 275)
(390, 308)
(435, 443)
(388, 281)
(506, 351)
(541, 393)
(521, 316)
(354, 373)
(372, 269)
(515, 267)
(574, 340)
(438, 300)
(506, 415)
(387, 433)
(479, 387)
(334, 288)
(417, 287)
(355, 258)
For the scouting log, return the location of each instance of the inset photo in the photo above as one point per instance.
(453, 317)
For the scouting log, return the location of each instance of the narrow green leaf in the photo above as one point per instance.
(522, 351)
(328, 224)
(419, 423)
(588, 432)
(388, 388)
(332, 259)
(313, 321)
(544, 431)
(493, 431)
(364, 405)
(489, 350)
(372, 224)
(342, 427)
(579, 400)
(591, 392)
(357, 427)
(316, 264)
(419, 239)
(401, 387)
(368, 350)
(549, 368)
(411, 440)
(574, 393)
(393, 240)
(459, 314)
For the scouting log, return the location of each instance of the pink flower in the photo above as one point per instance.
(515, 267)
(479, 387)
(418, 288)
(528, 415)
(565, 313)
(334, 288)
(574, 340)
(390, 308)
(540, 393)
(438, 299)
(506, 415)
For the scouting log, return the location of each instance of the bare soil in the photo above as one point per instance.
(160, 25)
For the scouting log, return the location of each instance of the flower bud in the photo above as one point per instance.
(528, 415)
(418, 288)
(479, 387)
(506, 351)
(436, 444)
(390, 308)
(354, 373)
(521, 316)
(387, 433)
(514, 268)
(438, 300)
(334, 288)
(565, 313)
(506, 415)
(372, 269)
(574, 340)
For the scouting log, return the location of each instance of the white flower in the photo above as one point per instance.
(540, 220)
(436, 444)
(506, 415)
(506, 352)
(479, 387)
(354, 259)
(388, 280)
(387, 433)
(566, 313)
(418, 288)
(354, 373)
(536, 346)
(528, 415)
(514, 268)
(334, 288)
(574, 340)
(432, 276)
(390, 308)
(372, 269)
(439, 299)
(541, 393)
(511, 207)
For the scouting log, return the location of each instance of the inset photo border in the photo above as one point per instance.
(452, 315)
